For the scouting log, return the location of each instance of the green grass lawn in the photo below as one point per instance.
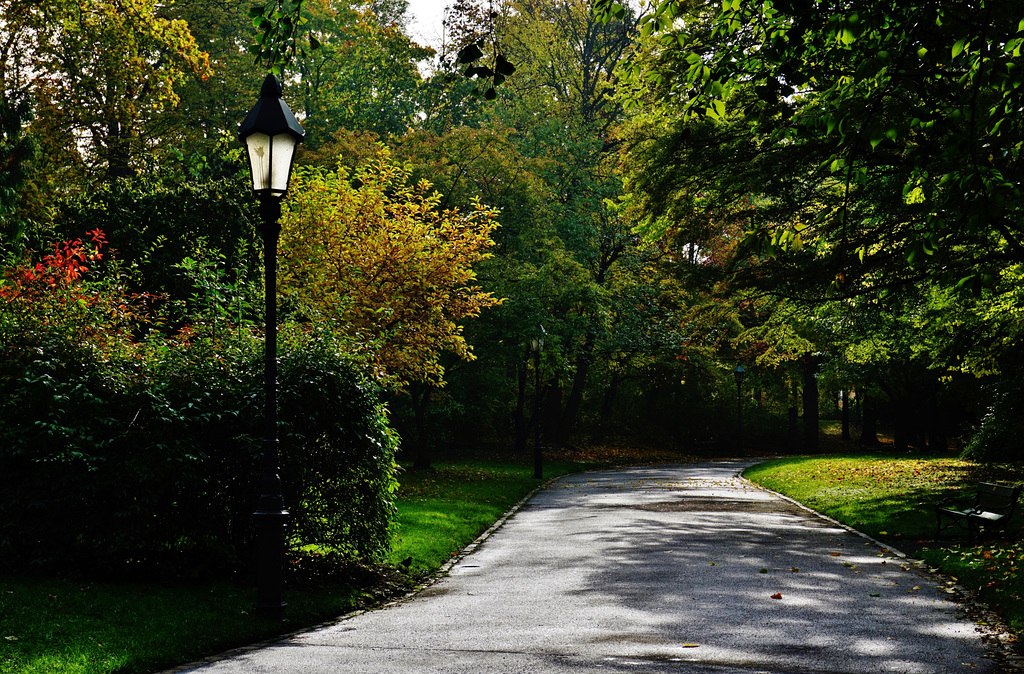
(60, 625)
(443, 510)
(889, 497)
(73, 626)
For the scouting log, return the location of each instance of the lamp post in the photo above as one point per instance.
(536, 347)
(739, 373)
(271, 133)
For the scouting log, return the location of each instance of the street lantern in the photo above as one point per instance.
(271, 133)
(536, 348)
(739, 373)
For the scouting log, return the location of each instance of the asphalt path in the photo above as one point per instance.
(653, 569)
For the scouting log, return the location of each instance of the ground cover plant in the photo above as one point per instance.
(889, 497)
(82, 627)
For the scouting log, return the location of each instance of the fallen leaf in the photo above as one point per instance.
(691, 645)
(836, 554)
(11, 638)
(883, 533)
(711, 563)
(777, 595)
(794, 569)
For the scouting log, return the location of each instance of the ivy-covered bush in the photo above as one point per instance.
(998, 436)
(123, 445)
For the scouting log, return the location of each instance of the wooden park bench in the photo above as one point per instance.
(991, 506)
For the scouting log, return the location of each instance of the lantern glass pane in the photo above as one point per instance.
(259, 160)
(283, 149)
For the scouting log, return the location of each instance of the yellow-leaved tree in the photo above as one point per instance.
(377, 257)
(100, 74)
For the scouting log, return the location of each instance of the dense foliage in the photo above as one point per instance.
(856, 163)
(379, 258)
(582, 237)
(122, 450)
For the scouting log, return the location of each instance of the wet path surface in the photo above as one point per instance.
(654, 569)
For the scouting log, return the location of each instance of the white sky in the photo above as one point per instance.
(425, 26)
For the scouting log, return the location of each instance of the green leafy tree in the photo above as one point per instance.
(102, 70)
(363, 76)
(862, 152)
(17, 149)
(905, 111)
(558, 101)
(212, 102)
(463, 164)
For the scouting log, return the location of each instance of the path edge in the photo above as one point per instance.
(995, 633)
(427, 582)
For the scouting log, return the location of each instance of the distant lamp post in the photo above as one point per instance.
(271, 133)
(739, 373)
(536, 348)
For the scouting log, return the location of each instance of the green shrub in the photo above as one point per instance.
(158, 220)
(122, 452)
(338, 450)
(998, 437)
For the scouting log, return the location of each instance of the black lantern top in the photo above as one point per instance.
(271, 133)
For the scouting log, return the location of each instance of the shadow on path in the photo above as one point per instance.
(652, 569)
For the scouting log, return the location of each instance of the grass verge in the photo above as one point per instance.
(69, 626)
(889, 497)
(66, 626)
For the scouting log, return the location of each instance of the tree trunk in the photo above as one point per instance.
(869, 424)
(519, 418)
(937, 440)
(608, 399)
(793, 434)
(846, 414)
(579, 383)
(810, 401)
(903, 426)
(420, 399)
(551, 415)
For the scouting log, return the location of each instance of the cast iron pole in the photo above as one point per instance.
(271, 517)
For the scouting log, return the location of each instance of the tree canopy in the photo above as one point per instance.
(828, 193)
(377, 258)
(905, 113)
